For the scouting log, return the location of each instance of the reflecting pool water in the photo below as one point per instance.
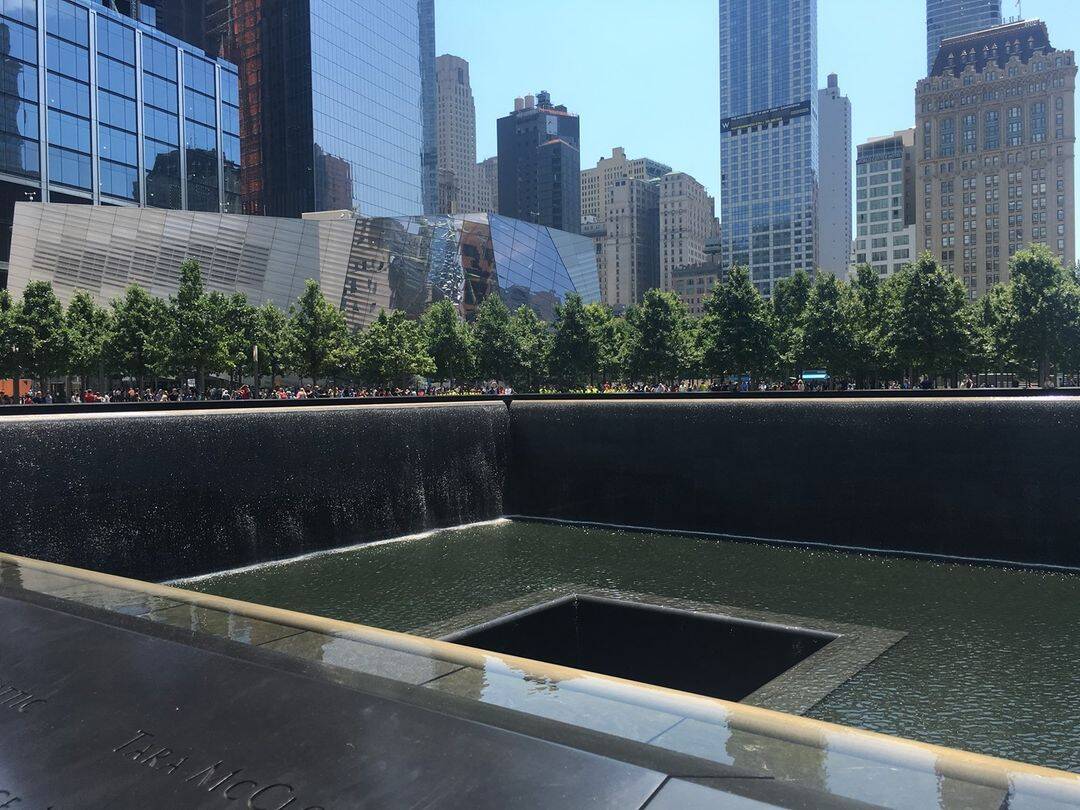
(990, 662)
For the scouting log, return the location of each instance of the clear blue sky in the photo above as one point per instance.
(644, 74)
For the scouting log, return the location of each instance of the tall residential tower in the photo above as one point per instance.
(834, 185)
(769, 136)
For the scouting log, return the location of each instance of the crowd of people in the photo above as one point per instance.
(244, 392)
(300, 392)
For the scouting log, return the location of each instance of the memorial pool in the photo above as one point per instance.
(987, 662)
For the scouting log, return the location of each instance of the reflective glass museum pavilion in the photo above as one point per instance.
(363, 264)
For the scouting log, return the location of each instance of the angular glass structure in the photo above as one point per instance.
(363, 264)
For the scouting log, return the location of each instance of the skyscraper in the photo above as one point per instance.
(995, 140)
(540, 164)
(768, 136)
(885, 202)
(834, 184)
(338, 99)
(951, 18)
(457, 135)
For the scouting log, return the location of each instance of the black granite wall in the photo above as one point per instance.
(991, 478)
(161, 495)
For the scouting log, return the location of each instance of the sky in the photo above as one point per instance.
(644, 74)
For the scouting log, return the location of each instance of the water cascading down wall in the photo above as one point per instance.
(158, 495)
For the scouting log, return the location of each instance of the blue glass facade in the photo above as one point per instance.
(407, 262)
(339, 99)
(367, 106)
(769, 136)
(96, 106)
(951, 18)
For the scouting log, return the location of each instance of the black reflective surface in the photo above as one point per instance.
(102, 712)
(694, 652)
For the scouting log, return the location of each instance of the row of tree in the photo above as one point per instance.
(918, 321)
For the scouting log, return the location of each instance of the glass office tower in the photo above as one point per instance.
(768, 136)
(98, 108)
(951, 18)
(338, 99)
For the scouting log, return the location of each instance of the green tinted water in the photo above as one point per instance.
(991, 662)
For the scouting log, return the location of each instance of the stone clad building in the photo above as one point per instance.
(595, 181)
(994, 145)
(628, 260)
(456, 138)
(687, 221)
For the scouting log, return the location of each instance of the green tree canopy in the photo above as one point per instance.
(10, 339)
(392, 351)
(608, 333)
(88, 328)
(40, 329)
(788, 304)
(449, 341)
(659, 333)
(135, 341)
(532, 344)
(865, 311)
(318, 336)
(1045, 305)
(825, 334)
(493, 339)
(271, 335)
(196, 333)
(237, 318)
(735, 333)
(923, 324)
(573, 352)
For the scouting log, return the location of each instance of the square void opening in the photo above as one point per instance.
(708, 654)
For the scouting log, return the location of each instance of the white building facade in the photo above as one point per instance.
(834, 184)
